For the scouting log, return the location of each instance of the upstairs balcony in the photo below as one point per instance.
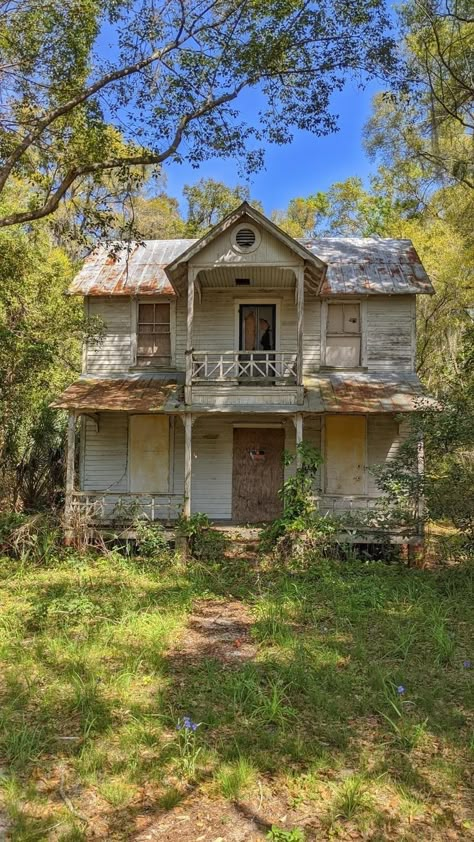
(257, 367)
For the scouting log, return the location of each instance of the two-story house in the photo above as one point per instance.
(222, 352)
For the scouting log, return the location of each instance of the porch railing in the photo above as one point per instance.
(244, 365)
(115, 507)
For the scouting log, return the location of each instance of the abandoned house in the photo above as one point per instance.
(220, 353)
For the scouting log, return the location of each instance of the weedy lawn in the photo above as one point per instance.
(349, 716)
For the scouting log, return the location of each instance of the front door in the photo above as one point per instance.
(257, 474)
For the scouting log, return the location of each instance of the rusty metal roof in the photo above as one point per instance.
(370, 265)
(328, 392)
(133, 394)
(366, 392)
(355, 266)
(136, 270)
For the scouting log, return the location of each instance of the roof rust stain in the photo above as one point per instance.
(367, 393)
(355, 265)
(137, 269)
(128, 395)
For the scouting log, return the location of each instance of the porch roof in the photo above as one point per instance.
(365, 392)
(132, 394)
(342, 392)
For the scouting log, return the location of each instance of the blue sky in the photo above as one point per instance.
(307, 164)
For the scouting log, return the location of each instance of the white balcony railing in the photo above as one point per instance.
(244, 365)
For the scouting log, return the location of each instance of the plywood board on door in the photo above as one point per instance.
(257, 474)
(149, 453)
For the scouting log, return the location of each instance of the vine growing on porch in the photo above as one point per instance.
(300, 527)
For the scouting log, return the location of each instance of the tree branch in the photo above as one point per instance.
(117, 75)
(130, 161)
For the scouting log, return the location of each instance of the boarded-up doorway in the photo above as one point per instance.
(149, 453)
(257, 474)
(345, 456)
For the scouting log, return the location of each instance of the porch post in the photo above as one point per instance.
(298, 421)
(192, 272)
(70, 461)
(299, 330)
(421, 497)
(188, 463)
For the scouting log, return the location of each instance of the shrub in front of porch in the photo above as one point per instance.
(205, 543)
(301, 529)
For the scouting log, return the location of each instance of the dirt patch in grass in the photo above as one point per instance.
(216, 629)
(202, 818)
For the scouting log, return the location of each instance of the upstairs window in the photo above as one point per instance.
(154, 335)
(343, 336)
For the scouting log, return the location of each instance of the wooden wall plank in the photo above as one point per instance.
(390, 333)
(113, 354)
(105, 453)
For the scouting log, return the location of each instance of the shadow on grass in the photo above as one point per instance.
(89, 681)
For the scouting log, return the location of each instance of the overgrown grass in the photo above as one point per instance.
(356, 712)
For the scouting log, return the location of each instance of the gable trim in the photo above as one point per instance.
(172, 270)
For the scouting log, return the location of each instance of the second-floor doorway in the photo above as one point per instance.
(257, 326)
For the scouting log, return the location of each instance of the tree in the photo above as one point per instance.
(40, 339)
(209, 201)
(157, 217)
(303, 216)
(168, 87)
(440, 40)
(428, 122)
(347, 209)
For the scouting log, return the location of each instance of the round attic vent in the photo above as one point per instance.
(245, 238)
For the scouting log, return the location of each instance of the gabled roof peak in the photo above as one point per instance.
(246, 210)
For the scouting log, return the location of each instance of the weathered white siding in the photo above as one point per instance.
(104, 453)
(390, 329)
(112, 354)
(390, 332)
(312, 334)
(244, 395)
(104, 464)
(215, 318)
(384, 437)
(269, 251)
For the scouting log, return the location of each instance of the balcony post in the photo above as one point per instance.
(192, 274)
(300, 330)
(70, 463)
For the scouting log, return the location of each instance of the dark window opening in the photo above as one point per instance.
(257, 324)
